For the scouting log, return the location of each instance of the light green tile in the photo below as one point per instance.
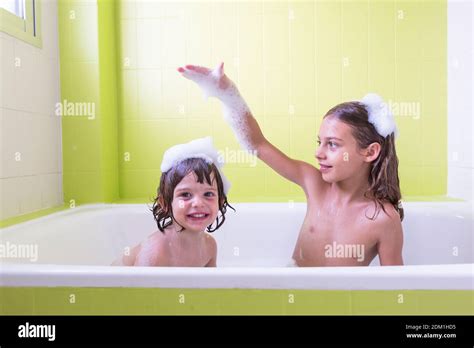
(82, 187)
(447, 302)
(151, 301)
(354, 31)
(252, 302)
(61, 301)
(276, 185)
(188, 301)
(17, 301)
(354, 78)
(139, 183)
(410, 180)
(328, 20)
(317, 302)
(434, 29)
(434, 180)
(384, 302)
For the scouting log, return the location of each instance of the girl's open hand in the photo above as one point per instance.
(214, 83)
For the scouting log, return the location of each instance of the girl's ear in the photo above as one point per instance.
(372, 152)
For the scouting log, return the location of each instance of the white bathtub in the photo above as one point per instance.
(75, 248)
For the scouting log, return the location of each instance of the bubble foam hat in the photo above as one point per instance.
(198, 148)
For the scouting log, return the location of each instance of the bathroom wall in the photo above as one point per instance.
(460, 99)
(88, 84)
(292, 61)
(30, 167)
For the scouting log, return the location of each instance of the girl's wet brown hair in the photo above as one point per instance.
(162, 208)
(384, 183)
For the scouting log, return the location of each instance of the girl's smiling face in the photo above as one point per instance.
(195, 205)
(338, 153)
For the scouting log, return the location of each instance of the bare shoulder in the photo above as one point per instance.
(152, 250)
(211, 243)
(388, 220)
(390, 212)
(313, 182)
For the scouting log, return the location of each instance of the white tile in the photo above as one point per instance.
(460, 182)
(9, 203)
(7, 82)
(25, 82)
(29, 193)
(49, 30)
(6, 36)
(28, 138)
(59, 184)
(47, 144)
(47, 86)
(49, 190)
(53, 87)
(460, 99)
(13, 143)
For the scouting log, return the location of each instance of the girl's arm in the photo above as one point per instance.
(128, 257)
(151, 253)
(246, 129)
(390, 241)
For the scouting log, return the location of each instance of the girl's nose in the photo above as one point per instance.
(197, 202)
(319, 153)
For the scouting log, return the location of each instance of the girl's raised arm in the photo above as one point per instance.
(215, 83)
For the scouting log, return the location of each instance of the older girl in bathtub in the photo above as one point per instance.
(192, 192)
(357, 178)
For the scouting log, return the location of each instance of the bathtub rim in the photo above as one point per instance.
(416, 277)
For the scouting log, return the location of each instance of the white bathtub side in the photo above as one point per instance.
(442, 277)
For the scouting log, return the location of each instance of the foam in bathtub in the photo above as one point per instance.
(292, 263)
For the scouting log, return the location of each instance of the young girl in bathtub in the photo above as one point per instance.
(357, 178)
(192, 192)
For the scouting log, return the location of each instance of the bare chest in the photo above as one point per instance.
(196, 255)
(333, 236)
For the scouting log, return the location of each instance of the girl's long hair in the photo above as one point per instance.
(384, 184)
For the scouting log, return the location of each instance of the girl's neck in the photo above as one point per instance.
(178, 233)
(350, 190)
(342, 196)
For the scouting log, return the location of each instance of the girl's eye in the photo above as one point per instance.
(185, 195)
(330, 143)
(209, 194)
